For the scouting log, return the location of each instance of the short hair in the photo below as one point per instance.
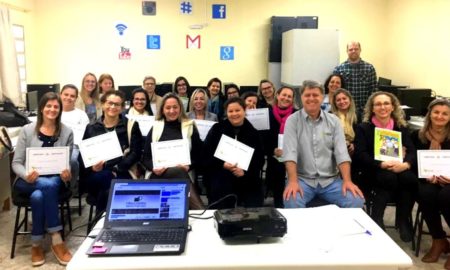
(103, 77)
(249, 94)
(398, 114)
(40, 118)
(327, 81)
(310, 84)
(147, 99)
(356, 42)
(70, 86)
(217, 80)
(160, 114)
(427, 122)
(237, 100)
(197, 91)
(116, 93)
(279, 91)
(149, 78)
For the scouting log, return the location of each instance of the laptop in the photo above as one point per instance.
(144, 217)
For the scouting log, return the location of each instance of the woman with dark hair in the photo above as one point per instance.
(89, 98)
(97, 178)
(343, 106)
(171, 123)
(250, 100)
(43, 190)
(105, 83)
(232, 90)
(198, 106)
(225, 178)
(391, 179)
(216, 97)
(434, 192)
(332, 83)
(182, 88)
(282, 108)
(140, 106)
(266, 94)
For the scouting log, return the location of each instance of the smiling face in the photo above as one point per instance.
(182, 88)
(214, 89)
(285, 98)
(382, 107)
(68, 98)
(139, 102)
(171, 109)
(312, 98)
(106, 85)
(250, 102)
(112, 106)
(232, 92)
(353, 51)
(440, 116)
(235, 114)
(199, 101)
(342, 102)
(149, 86)
(51, 110)
(267, 90)
(89, 83)
(335, 83)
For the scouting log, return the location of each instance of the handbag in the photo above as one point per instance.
(5, 142)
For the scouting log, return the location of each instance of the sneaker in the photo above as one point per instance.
(61, 253)
(37, 256)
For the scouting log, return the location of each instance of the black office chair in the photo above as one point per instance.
(23, 201)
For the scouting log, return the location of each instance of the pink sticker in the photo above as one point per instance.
(99, 249)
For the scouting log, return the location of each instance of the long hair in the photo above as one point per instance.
(277, 93)
(94, 94)
(260, 96)
(191, 101)
(40, 118)
(188, 86)
(350, 115)
(210, 82)
(105, 76)
(160, 114)
(327, 82)
(427, 122)
(398, 114)
(147, 99)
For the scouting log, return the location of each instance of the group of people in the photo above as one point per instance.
(325, 149)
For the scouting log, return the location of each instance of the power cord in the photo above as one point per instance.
(197, 215)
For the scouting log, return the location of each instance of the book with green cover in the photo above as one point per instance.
(388, 145)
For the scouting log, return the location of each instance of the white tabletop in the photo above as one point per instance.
(321, 238)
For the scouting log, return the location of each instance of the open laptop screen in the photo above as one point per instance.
(147, 201)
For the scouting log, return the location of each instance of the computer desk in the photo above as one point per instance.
(309, 243)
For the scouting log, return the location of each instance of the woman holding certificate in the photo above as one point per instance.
(174, 128)
(282, 108)
(391, 178)
(97, 178)
(43, 190)
(434, 191)
(237, 171)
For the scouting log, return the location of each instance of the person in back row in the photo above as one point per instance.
(313, 149)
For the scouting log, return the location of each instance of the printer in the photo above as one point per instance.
(256, 222)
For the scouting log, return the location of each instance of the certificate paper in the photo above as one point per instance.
(145, 122)
(100, 148)
(234, 152)
(203, 127)
(388, 145)
(47, 160)
(259, 118)
(433, 162)
(78, 132)
(171, 153)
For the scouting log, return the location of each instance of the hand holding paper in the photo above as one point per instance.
(234, 152)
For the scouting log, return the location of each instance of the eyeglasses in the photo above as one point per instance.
(149, 83)
(113, 104)
(267, 88)
(231, 92)
(385, 104)
(139, 99)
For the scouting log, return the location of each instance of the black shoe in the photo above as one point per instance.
(406, 233)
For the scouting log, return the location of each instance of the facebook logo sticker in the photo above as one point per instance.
(219, 11)
(226, 52)
(153, 42)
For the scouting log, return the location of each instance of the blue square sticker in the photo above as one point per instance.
(219, 11)
(226, 52)
(153, 42)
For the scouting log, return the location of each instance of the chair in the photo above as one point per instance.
(21, 201)
(418, 227)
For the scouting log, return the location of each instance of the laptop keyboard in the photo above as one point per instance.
(147, 236)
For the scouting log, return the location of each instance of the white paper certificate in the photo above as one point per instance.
(145, 122)
(171, 153)
(259, 118)
(78, 132)
(280, 141)
(203, 127)
(433, 162)
(100, 148)
(47, 160)
(234, 152)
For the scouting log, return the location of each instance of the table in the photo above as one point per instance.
(308, 244)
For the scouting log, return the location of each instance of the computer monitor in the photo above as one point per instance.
(416, 98)
(128, 90)
(247, 88)
(163, 88)
(41, 89)
(384, 81)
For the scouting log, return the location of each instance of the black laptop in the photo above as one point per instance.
(144, 217)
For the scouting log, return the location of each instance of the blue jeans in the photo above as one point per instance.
(44, 195)
(331, 193)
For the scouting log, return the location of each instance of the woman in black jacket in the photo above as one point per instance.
(97, 178)
(225, 178)
(390, 178)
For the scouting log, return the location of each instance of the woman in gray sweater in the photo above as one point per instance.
(43, 190)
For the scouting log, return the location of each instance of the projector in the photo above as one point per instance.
(255, 222)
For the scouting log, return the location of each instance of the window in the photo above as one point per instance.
(19, 39)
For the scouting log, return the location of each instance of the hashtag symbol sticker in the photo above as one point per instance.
(186, 7)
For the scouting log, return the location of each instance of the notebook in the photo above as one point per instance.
(145, 217)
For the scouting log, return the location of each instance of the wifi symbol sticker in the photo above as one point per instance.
(121, 27)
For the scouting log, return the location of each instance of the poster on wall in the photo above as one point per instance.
(193, 43)
(219, 11)
(226, 53)
(186, 8)
(124, 53)
(121, 27)
(153, 42)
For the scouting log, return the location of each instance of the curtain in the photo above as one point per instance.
(9, 71)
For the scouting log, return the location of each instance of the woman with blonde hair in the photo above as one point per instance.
(89, 98)
(434, 191)
(343, 106)
(198, 106)
(392, 178)
(105, 83)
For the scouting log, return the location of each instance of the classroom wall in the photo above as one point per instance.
(66, 39)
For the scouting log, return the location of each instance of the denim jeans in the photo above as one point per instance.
(44, 195)
(331, 193)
